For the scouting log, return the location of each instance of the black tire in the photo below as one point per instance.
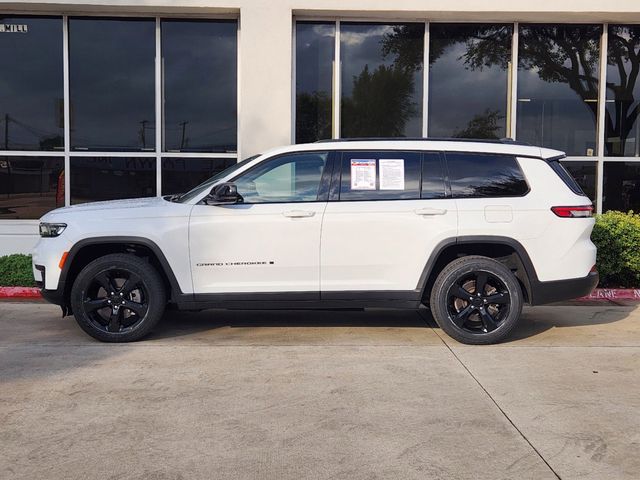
(118, 298)
(471, 316)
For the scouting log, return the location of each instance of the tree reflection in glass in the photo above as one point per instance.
(381, 79)
(558, 68)
(622, 119)
(468, 79)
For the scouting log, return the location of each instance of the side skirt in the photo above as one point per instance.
(300, 300)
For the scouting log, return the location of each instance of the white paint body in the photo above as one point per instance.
(335, 246)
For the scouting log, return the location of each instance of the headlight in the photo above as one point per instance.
(52, 229)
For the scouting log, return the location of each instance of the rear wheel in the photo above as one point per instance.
(476, 300)
(118, 298)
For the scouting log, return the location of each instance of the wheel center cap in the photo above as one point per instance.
(477, 302)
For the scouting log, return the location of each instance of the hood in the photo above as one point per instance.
(129, 208)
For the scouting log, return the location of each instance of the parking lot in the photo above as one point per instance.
(292, 395)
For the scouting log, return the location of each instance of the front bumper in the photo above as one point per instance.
(556, 291)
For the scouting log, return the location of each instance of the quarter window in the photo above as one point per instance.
(380, 176)
(287, 179)
(476, 175)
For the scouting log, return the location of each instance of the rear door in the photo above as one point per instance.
(387, 212)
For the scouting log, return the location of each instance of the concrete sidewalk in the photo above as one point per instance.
(292, 395)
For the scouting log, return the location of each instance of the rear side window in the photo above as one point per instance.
(477, 175)
(374, 175)
(566, 177)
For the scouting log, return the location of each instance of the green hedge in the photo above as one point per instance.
(617, 236)
(15, 271)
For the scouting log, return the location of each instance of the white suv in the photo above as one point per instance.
(472, 229)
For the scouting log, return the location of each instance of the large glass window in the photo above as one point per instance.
(476, 175)
(179, 175)
(433, 176)
(469, 66)
(199, 84)
(112, 83)
(315, 45)
(622, 119)
(558, 70)
(31, 92)
(380, 176)
(381, 79)
(112, 178)
(621, 186)
(30, 186)
(290, 178)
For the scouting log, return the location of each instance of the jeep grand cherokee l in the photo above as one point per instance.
(471, 229)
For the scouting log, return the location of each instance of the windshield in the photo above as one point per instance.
(207, 184)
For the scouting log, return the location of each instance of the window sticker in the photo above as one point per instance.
(391, 174)
(363, 174)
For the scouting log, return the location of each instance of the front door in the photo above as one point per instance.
(271, 241)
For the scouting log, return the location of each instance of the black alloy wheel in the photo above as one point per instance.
(118, 298)
(476, 300)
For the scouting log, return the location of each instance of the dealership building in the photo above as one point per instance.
(115, 99)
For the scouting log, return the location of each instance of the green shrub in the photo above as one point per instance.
(617, 236)
(15, 271)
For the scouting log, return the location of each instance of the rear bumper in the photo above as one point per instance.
(549, 292)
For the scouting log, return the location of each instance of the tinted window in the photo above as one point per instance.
(558, 68)
(468, 79)
(584, 174)
(380, 176)
(433, 185)
(30, 186)
(621, 186)
(112, 84)
(315, 43)
(291, 178)
(381, 80)
(622, 119)
(106, 178)
(179, 175)
(31, 98)
(199, 85)
(485, 175)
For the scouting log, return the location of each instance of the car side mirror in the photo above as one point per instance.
(223, 194)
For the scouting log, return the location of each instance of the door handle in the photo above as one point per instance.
(298, 214)
(430, 211)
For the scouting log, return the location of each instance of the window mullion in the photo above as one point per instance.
(336, 83)
(158, 108)
(66, 109)
(602, 99)
(425, 82)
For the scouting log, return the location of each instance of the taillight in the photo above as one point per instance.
(573, 212)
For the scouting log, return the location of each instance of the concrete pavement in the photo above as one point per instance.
(291, 395)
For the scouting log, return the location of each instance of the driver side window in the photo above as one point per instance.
(290, 178)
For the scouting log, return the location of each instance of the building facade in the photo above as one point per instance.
(120, 99)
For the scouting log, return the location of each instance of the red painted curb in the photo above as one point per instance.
(614, 294)
(19, 292)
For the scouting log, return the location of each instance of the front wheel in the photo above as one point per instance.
(118, 298)
(476, 300)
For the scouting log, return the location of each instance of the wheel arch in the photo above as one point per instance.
(504, 249)
(88, 249)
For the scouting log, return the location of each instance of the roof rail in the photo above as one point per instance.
(509, 141)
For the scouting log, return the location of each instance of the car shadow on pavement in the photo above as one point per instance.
(176, 323)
